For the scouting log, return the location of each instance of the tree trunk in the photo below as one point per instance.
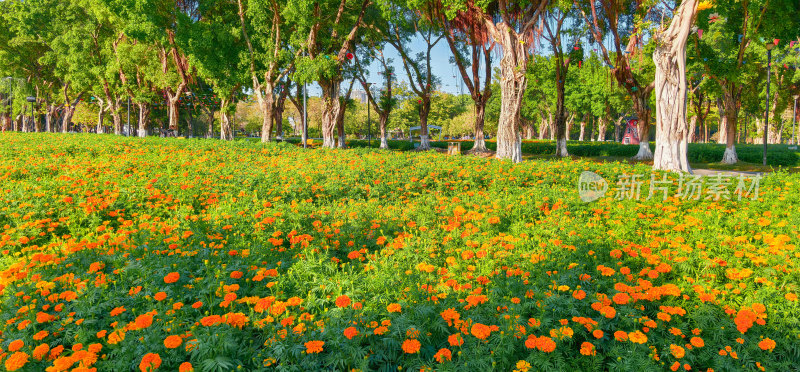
(551, 123)
(543, 126)
(618, 128)
(144, 118)
(330, 111)
(225, 130)
(424, 111)
(583, 130)
(173, 101)
(480, 137)
(267, 102)
(382, 120)
(562, 128)
(101, 115)
(512, 84)
(692, 129)
(570, 120)
(669, 58)
(642, 108)
(601, 129)
(529, 128)
(731, 119)
(68, 112)
(116, 117)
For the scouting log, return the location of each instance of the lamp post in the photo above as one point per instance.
(129, 117)
(769, 47)
(794, 119)
(31, 99)
(369, 118)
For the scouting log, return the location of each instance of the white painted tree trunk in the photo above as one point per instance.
(669, 58)
(583, 130)
(144, 118)
(561, 148)
(512, 84)
(692, 129)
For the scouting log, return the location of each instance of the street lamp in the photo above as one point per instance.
(794, 119)
(32, 99)
(769, 46)
(369, 118)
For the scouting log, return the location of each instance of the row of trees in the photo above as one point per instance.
(214, 53)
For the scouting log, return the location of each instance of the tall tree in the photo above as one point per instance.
(736, 31)
(672, 131)
(553, 31)
(327, 30)
(623, 21)
(510, 24)
(469, 41)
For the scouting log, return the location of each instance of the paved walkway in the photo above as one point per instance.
(713, 172)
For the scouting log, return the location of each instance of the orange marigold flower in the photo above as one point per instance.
(637, 337)
(16, 361)
(481, 331)
(587, 348)
(115, 337)
(237, 320)
(350, 332)
(211, 320)
(546, 344)
(411, 346)
(579, 294)
(40, 335)
(343, 301)
(160, 296)
(185, 367)
(197, 305)
(621, 298)
(790, 297)
(236, 274)
(143, 321)
(16, 345)
(173, 341)
(697, 342)
(767, 344)
(620, 336)
(450, 316)
(677, 351)
(455, 340)
(150, 362)
(117, 310)
(314, 346)
(40, 351)
(443, 354)
(172, 277)
(608, 312)
(394, 308)
(597, 333)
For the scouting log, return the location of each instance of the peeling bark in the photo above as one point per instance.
(669, 58)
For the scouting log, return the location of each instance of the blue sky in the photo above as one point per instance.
(442, 68)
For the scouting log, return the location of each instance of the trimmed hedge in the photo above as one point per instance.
(777, 155)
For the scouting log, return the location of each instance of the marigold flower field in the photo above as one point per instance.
(125, 254)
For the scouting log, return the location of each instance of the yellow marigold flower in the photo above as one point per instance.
(703, 5)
